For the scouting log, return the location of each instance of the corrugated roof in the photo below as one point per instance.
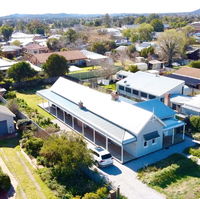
(69, 55)
(150, 83)
(5, 111)
(92, 55)
(172, 123)
(113, 131)
(128, 116)
(157, 107)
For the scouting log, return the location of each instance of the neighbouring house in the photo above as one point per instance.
(190, 75)
(74, 57)
(11, 51)
(186, 105)
(122, 74)
(196, 26)
(155, 65)
(127, 130)
(122, 49)
(122, 42)
(24, 38)
(193, 54)
(5, 64)
(7, 126)
(35, 48)
(141, 46)
(141, 66)
(144, 86)
(95, 59)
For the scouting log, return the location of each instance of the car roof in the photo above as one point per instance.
(100, 150)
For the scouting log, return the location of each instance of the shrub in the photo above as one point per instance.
(195, 123)
(33, 146)
(195, 64)
(22, 124)
(5, 182)
(165, 176)
(195, 152)
(132, 68)
(10, 95)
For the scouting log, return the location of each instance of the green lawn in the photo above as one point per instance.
(33, 100)
(29, 182)
(176, 176)
(110, 87)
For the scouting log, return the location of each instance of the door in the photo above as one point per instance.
(3, 127)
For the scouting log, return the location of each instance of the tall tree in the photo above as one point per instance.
(71, 35)
(107, 21)
(21, 71)
(55, 65)
(171, 43)
(54, 44)
(145, 32)
(37, 27)
(6, 31)
(157, 25)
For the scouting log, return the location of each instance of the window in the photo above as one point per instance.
(145, 144)
(151, 96)
(106, 156)
(144, 95)
(135, 92)
(121, 87)
(153, 141)
(128, 90)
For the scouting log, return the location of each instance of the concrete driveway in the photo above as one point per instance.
(125, 175)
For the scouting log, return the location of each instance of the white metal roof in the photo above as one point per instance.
(5, 111)
(150, 83)
(126, 115)
(92, 55)
(193, 104)
(180, 99)
(6, 63)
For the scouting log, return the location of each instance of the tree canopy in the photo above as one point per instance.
(53, 44)
(157, 25)
(171, 43)
(37, 27)
(66, 154)
(6, 31)
(71, 35)
(21, 71)
(55, 65)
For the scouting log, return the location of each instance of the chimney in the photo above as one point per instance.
(115, 96)
(80, 104)
(167, 99)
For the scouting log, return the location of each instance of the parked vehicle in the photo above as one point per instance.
(102, 157)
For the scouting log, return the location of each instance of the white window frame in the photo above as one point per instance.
(144, 144)
(155, 141)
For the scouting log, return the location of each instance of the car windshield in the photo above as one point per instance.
(106, 156)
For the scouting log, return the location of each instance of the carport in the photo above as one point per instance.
(92, 127)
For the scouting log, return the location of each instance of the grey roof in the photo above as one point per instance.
(151, 135)
(150, 83)
(5, 111)
(114, 132)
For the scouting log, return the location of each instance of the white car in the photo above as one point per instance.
(101, 156)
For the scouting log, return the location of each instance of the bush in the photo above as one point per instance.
(195, 64)
(195, 123)
(5, 182)
(33, 146)
(10, 95)
(165, 176)
(195, 152)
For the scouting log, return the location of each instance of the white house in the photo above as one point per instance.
(144, 86)
(127, 130)
(6, 121)
(96, 59)
(5, 64)
(186, 105)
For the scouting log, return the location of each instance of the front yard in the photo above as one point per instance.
(176, 176)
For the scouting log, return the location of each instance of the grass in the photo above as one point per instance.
(86, 69)
(110, 87)
(176, 176)
(33, 100)
(13, 159)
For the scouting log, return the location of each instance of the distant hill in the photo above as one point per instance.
(65, 15)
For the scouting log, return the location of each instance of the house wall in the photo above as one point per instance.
(189, 111)
(152, 125)
(10, 122)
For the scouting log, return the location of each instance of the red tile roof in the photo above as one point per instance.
(69, 56)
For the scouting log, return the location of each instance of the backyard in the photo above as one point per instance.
(30, 186)
(176, 176)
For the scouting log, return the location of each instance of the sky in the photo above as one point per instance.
(96, 6)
